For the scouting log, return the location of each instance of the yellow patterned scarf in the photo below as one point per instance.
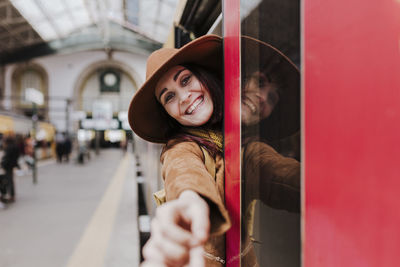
(210, 135)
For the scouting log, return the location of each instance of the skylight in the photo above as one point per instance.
(56, 19)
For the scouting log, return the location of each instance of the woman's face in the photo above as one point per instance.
(259, 98)
(184, 98)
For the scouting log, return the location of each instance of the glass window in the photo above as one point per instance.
(270, 114)
(30, 79)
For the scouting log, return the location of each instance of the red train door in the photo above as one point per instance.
(350, 65)
(352, 114)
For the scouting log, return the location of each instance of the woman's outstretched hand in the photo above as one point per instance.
(179, 230)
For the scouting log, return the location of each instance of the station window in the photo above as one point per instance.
(28, 80)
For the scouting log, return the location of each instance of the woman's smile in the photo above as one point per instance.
(247, 101)
(194, 106)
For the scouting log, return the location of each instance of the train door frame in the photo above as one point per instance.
(231, 32)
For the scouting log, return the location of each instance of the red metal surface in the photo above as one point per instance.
(232, 126)
(352, 130)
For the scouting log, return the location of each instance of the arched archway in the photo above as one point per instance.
(93, 69)
(29, 75)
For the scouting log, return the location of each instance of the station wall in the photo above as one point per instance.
(64, 72)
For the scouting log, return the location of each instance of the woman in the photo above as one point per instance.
(8, 162)
(180, 104)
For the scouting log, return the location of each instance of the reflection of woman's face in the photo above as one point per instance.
(183, 97)
(259, 97)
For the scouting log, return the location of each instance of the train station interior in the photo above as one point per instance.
(295, 165)
(68, 70)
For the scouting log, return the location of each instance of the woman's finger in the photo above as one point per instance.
(152, 264)
(200, 222)
(167, 222)
(152, 254)
(197, 257)
(165, 253)
(173, 254)
(168, 251)
(197, 214)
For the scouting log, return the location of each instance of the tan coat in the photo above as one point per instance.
(184, 169)
(269, 176)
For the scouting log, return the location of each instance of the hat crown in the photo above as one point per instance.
(157, 59)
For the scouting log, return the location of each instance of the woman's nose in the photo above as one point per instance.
(262, 96)
(185, 97)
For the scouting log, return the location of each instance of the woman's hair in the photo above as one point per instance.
(214, 85)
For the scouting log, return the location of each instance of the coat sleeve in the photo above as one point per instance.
(184, 169)
(271, 177)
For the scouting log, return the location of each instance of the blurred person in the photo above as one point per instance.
(19, 140)
(43, 144)
(83, 151)
(8, 162)
(20, 143)
(67, 148)
(124, 145)
(60, 146)
(29, 150)
(3, 187)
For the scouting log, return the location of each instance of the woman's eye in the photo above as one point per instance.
(263, 81)
(185, 80)
(168, 97)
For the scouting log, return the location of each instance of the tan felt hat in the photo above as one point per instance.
(144, 115)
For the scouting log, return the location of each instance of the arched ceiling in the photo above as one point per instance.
(30, 28)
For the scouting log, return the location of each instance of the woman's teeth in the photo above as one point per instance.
(194, 105)
(251, 106)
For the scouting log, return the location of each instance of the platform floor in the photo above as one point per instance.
(75, 216)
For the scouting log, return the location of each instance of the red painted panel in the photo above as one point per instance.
(232, 126)
(352, 130)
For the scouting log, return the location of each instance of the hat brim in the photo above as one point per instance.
(144, 116)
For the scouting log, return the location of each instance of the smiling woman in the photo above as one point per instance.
(183, 96)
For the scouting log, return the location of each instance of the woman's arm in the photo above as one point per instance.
(194, 210)
(184, 169)
(179, 230)
(271, 177)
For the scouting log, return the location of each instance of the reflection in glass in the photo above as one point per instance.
(270, 113)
